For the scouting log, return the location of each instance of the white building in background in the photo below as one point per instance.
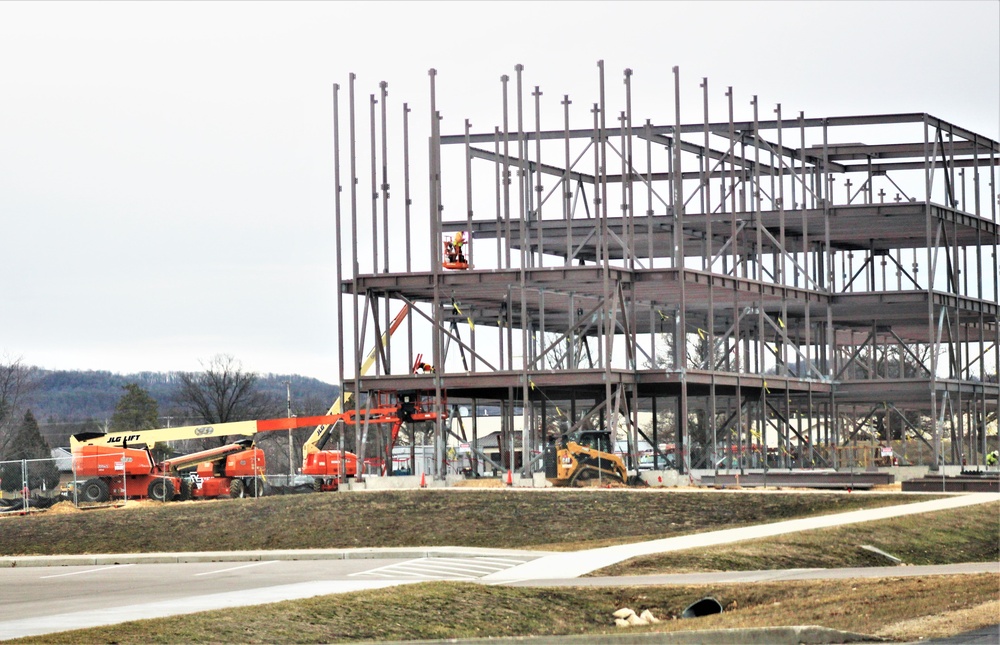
(64, 459)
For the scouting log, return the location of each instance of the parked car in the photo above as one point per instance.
(296, 480)
(663, 463)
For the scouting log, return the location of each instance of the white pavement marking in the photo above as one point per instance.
(442, 568)
(577, 563)
(399, 574)
(76, 573)
(99, 616)
(244, 566)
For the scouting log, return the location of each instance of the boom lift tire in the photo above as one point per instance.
(253, 487)
(184, 493)
(95, 490)
(162, 490)
(236, 489)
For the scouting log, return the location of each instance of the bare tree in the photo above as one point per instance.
(225, 392)
(16, 382)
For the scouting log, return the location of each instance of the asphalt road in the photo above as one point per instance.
(41, 591)
(985, 636)
(46, 599)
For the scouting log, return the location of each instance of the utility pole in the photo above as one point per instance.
(291, 462)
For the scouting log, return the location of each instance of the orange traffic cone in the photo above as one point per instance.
(510, 478)
(423, 480)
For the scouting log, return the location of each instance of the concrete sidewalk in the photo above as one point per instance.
(578, 563)
(763, 575)
(797, 635)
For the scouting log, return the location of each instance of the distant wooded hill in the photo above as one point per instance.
(66, 402)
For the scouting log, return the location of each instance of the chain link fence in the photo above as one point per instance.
(28, 485)
(113, 478)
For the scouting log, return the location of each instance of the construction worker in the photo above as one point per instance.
(423, 368)
(993, 458)
(457, 241)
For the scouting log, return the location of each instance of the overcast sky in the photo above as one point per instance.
(166, 169)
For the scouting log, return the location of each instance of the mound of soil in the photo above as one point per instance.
(63, 508)
(479, 483)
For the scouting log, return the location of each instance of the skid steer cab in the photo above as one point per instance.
(454, 251)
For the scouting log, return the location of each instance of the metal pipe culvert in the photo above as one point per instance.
(704, 607)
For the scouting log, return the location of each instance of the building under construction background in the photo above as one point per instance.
(747, 289)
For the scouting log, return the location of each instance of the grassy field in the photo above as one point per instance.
(944, 537)
(534, 519)
(895, 608)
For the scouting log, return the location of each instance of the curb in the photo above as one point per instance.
(8, 562)
(792, 635)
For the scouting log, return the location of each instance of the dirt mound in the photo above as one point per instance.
(140, 503)
(62, 508)
(600, 483)
(479, 483)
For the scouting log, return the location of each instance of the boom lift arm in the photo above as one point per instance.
(191, 461)
(153, 436)
(315, 460)
(157, 435)
(321, 434)
(392, 409)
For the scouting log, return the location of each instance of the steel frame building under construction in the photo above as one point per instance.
(751, 292)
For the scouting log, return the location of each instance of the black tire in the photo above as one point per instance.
(582, 475)
(161, 490)
(184, 493)
(236, 490)
(317, 485)
(254, 487)
(95, 490)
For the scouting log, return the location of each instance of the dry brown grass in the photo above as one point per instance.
(960, 535)
(479, 483)
(449, 610)
(430, 517)
(943, 624)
